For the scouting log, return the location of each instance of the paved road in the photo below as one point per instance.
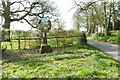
(109, 49)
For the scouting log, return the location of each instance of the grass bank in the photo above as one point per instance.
(77, 61)
(114, 36)
(112, 39)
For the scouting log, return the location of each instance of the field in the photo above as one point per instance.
(76, 61)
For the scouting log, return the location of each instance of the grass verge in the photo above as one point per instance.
(77, 61)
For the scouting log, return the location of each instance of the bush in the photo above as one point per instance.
(114, 39)
(82, 38)
(87, 34)
(99, 34)
(115, 32)
(68, 36)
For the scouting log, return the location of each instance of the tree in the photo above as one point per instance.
(60, 23)
(116, 16)
(76, 20)
(11, 15)
(105, 18)
(16, 11)
(99, 14)
(79, 15)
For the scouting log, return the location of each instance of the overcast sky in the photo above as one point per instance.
(66, 14)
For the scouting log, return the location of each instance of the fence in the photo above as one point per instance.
(33, 39)
(35, 43)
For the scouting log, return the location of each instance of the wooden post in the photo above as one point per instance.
(57, 42)
(19, 43)
(45, 38)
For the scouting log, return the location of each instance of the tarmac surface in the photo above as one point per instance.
(112, 50)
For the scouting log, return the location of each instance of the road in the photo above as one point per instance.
(107, 48)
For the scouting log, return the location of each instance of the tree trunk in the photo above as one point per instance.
(6, 15)
(0, 45)
(19, 43)
(93, 21)
(113, 17)
(105, 19)
(25, 42)
(45, 38)
(109, 19)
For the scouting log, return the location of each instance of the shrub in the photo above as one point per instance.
(82, 38)
(87, 34)
(99, 34)
(115, 32)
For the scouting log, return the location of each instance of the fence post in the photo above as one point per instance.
(57, 42)
(25, 42)
(11, 43)
(19, 43)
(45, 38)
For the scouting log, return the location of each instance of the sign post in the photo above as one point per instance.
(45, 25)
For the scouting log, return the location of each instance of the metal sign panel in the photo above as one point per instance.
(44, 24)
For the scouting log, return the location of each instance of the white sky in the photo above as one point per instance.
(64, 7)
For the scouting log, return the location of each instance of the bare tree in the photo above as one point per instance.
(16, 11)
(77, 20)
(99, 13)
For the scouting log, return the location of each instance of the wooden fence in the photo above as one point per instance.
(35, 43)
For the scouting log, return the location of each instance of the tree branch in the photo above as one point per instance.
(1, 11)
(4, 6)
(17, 11)
(101, 22)
(37, 14)
(29, 23)
(32, 6)
(77, 4)
(86, 6)
(16, 2)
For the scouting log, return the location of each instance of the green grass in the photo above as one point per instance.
(114, 36)
(114, 39)
(23, 45)
(83, 62)
(35, 43)
(0, 69)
